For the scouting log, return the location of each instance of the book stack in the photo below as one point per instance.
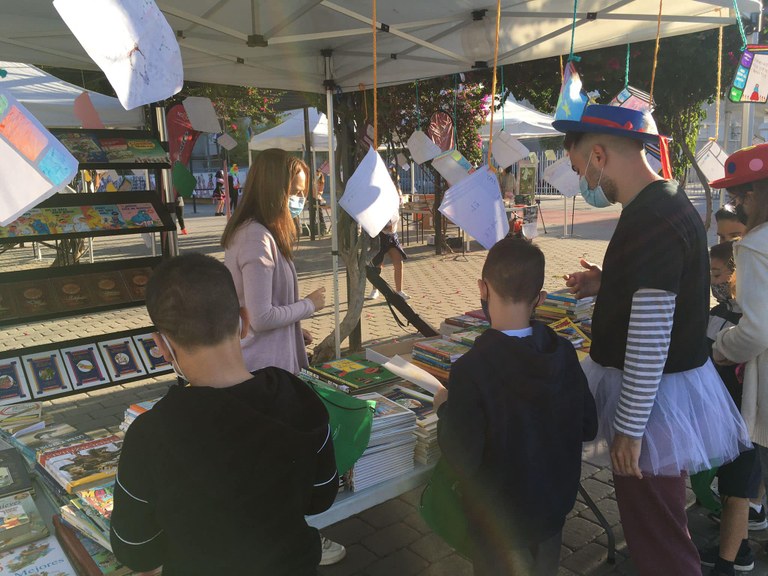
(427, 450)
(87, 556)
(467, 337)
(563, 304)
(436, 355)
(32, 443)
(135, 409)
(461, 323)
(18, 419)
(390, 450)
(354, 373)
(573, 333)
(20, 521)
(82, 464)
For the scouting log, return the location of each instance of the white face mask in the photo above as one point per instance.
(174, 362)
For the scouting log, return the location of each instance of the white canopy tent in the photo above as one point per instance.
(51, 100)
(325, 45)
(519, 121)
(289, 134)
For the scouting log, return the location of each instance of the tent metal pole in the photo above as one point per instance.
(171, 240)
(330, 85)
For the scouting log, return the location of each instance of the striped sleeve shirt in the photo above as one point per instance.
(648, 337)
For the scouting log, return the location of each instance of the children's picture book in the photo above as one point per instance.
(385, 408)
(46, 373)
(85, 366)
(140, 215)
(21, 523)
(122, 359)
(89, 558)
(571, 332)
(153, 359)
(78, 466)
(442, 349)
(99, 498)
(25, 413)
(355, 371)
(13, 383)
(42, 558)
(35, 442)
(420, 404)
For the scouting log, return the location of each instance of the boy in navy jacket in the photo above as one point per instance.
(512, 421)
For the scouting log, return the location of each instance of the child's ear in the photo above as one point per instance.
(483, 288)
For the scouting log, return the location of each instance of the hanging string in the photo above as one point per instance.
(741, 26)
(418, 107)
(493, 83)
(562, 72)
(656, 51)
(503, 92)
(571, 57)
(455, 114)
(375, 83)
(719, 84)
(626, 68)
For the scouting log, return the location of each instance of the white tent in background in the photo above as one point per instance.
(52, 101)
(289, 134)
(519, 121)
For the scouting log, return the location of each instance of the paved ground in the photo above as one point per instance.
(391, 538)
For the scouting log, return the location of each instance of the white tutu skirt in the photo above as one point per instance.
(694, 424)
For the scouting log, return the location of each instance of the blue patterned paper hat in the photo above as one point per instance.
(614, 120)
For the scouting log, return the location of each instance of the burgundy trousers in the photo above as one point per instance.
(656, 526)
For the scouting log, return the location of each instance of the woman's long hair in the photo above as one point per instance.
(265, 198)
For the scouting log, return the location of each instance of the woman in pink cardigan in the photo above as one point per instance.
(258, 250)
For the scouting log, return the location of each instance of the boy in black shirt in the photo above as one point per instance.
(217, 477)
(512, 421)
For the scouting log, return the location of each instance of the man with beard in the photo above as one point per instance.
(662, 407)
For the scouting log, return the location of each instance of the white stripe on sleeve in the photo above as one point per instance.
(648, 336)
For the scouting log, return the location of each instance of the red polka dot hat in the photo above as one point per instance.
(744, 166)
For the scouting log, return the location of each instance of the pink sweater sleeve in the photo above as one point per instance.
(262, 267)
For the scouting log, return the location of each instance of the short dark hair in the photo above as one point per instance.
(514, 268)
(572, 139)
(724, 253)
(728, 212)
(192, 299)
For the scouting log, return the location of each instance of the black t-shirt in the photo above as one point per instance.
(659, 243)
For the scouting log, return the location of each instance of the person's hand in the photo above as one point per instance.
(317, 298)
(587, 283)
(625, 455)
(307, 337)
(719, 359)
(440, 397)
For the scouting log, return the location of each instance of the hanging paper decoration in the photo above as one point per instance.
(422, 149)
(34, 163)
(635, 99)
(711, 159)
(507, 149)
(475, 204)
(751, 81)
(86, 112)
(370, 196)
(561, 176)
(227, 142)
(132, 43)
(184, 181)
(572, 100)
(452, 166)
(201, 114)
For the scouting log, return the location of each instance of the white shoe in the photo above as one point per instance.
(403, 295)
(373, 295)
(333, 552)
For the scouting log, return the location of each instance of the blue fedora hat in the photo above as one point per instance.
(613, 120)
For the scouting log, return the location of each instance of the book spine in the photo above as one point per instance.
(432, 361)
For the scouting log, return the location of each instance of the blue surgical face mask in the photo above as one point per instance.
(295, 205)
(593, 196)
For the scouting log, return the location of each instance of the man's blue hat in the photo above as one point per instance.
(613, 120)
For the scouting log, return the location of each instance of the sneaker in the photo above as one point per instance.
(183, 231)
(403, 295)
(745, 559)
(332, 552)
(373, 295)
(757, 520)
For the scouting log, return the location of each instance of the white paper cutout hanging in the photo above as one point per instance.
(711, 159)
(201, 114)
(34, 163)
(227, 142)
(561, 176)
(507, 149)
(452, 166)
(475, 204)
(132, 43)
(422, 149)
(370, 196)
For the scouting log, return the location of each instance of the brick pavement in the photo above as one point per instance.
(390, 538)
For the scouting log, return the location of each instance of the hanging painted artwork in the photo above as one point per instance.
(750, 85)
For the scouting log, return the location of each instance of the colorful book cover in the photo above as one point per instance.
(385, 408)
(355, 372)
(33, 297)
(46, 373)
(72, 292)
(43, 558)
(85, 366)
(153, 359)
(26, 412)
(99, 498)
(147, 151)
(110, 217)
(420, 404)
(140, 215)
(93, 560)
(109, 288)
(442, 349)
(83, 146)
(85, 463)
(13, 382)
(122, 359)
(38, 441)
(33, 527)
(65, 219)
(136, 279)
(568, 330)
